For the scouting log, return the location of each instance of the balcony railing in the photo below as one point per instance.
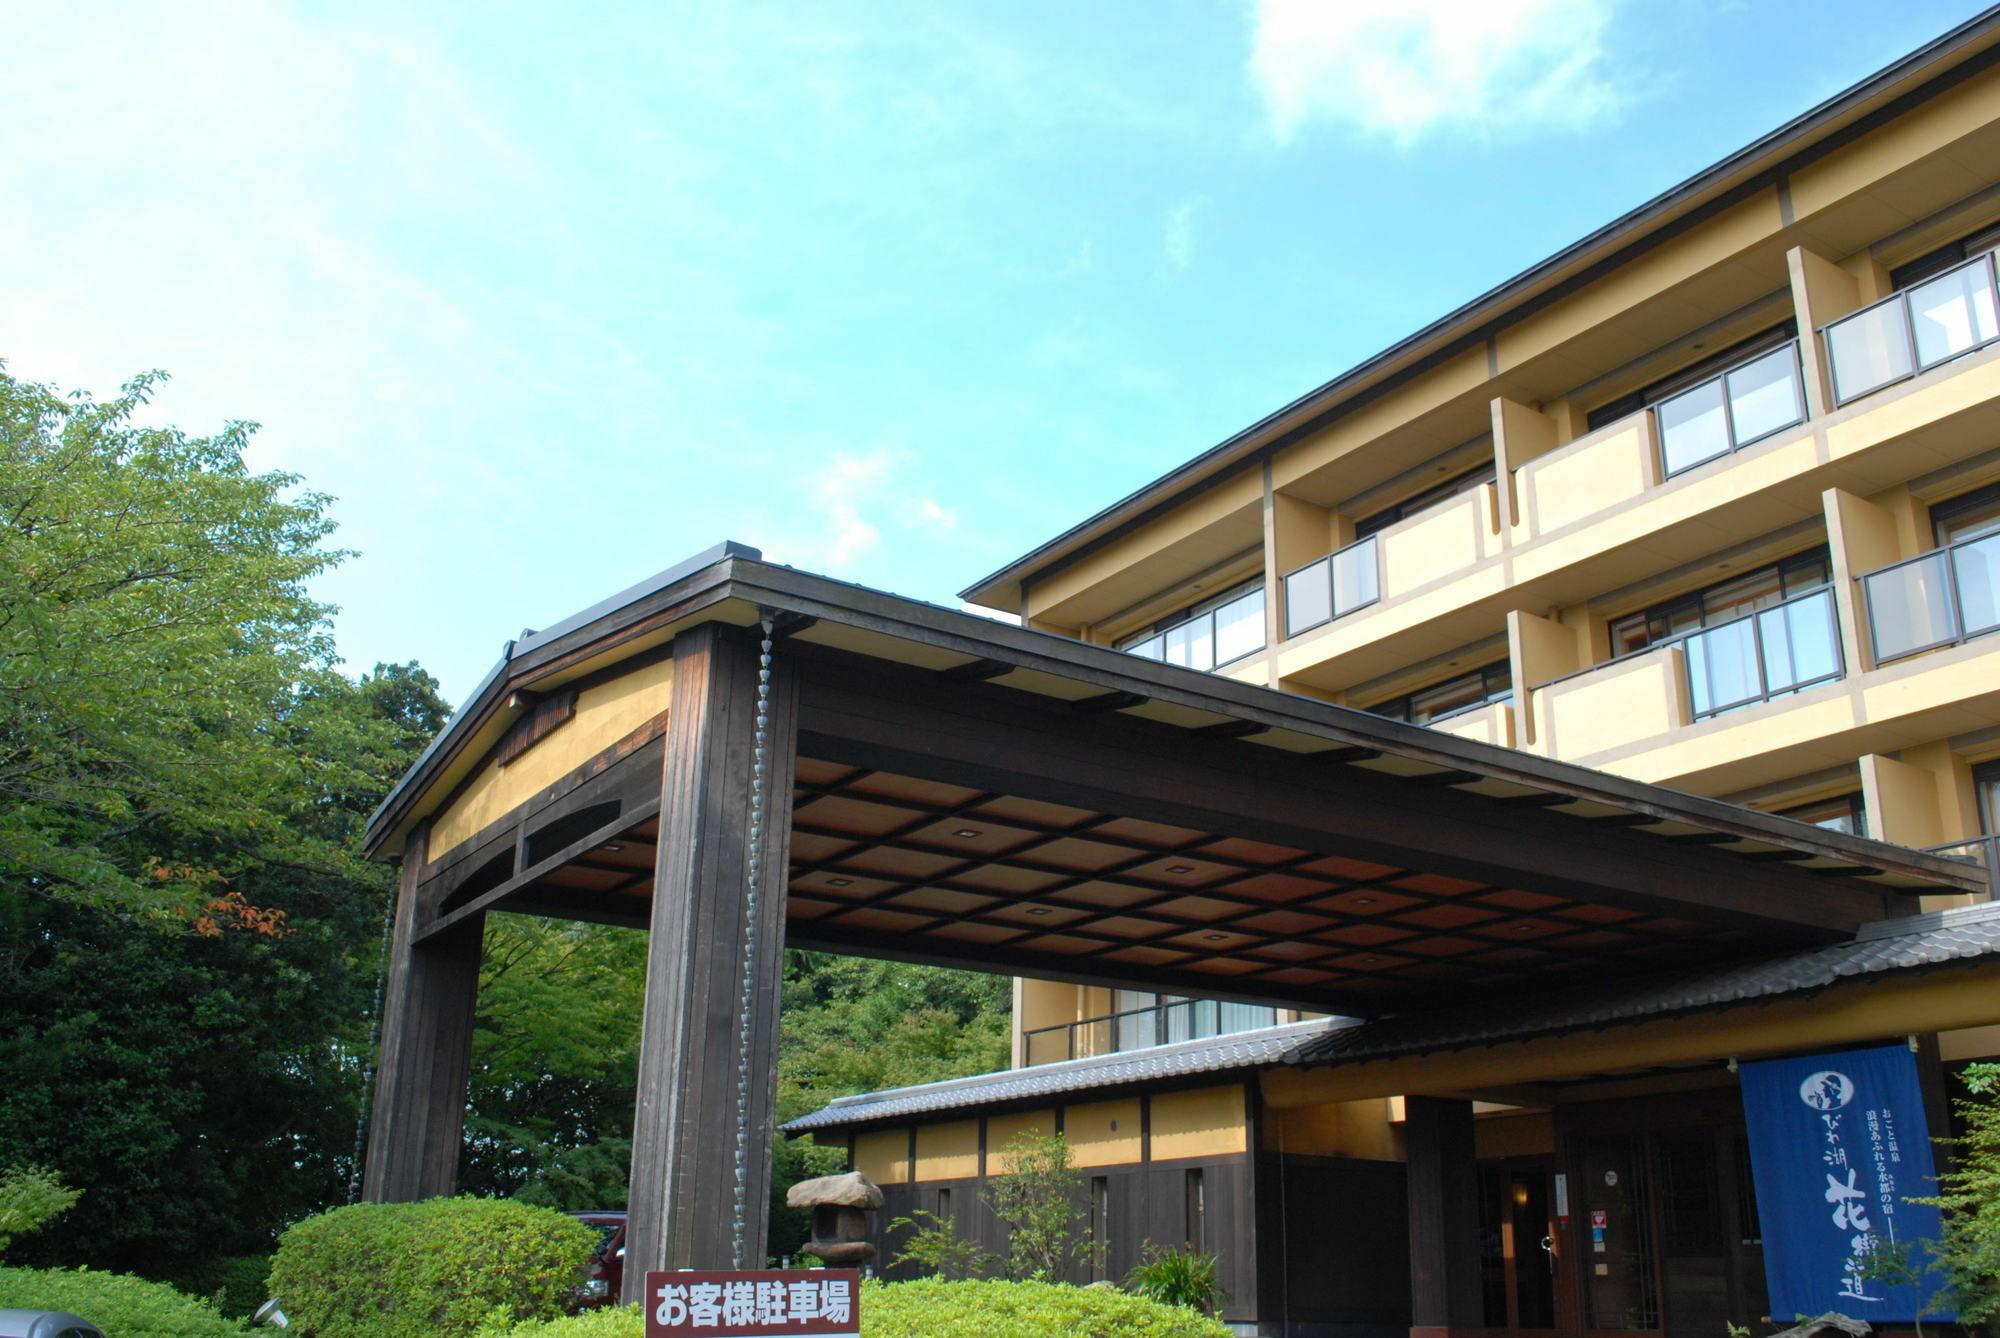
(1162, 1024)
(1766, 654)
(1981, 850)
(1211, 639)
(1732, 410)
(1939, 599)
(1914, 330)
(1333, 586)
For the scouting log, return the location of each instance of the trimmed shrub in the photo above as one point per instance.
(929, 1308)
(121, 1305)
(234, 1283)
(437, 1269)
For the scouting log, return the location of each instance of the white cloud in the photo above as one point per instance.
(1400, 69)
(1177, 237)
(841, 488)
(925, 513)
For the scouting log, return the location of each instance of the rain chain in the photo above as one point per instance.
(759, 774)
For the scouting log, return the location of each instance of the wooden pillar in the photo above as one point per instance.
(1444, 1217)
(432, 995)
(685, 1200)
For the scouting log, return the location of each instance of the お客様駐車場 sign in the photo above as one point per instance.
(754, 1303)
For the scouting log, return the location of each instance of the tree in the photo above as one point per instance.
(1967, 1256)
(1038, 1200)
(204, 1088)
(159, 656)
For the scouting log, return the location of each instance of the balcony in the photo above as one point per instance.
(1981, 850)
(1210, 639)
(1333, 586)
(1914, 330)
(1161, 1024)
(1739, 407)
(1695, 676)
(1939, 599)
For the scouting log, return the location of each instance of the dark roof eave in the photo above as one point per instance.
(1492, 305)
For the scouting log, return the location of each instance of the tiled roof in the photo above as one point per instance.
(1960, 936)
(1244, 1050)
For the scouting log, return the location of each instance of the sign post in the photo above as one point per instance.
(754, 1303)
(1838, 1146)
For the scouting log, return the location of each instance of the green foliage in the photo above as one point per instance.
(233, 1284)
(156, 642)
(437, 1269)
(30, 1196)
(935, 1246)
(122, 1306)
(555, 1063)
(1039, 1202)
(932, 1308)
(1968, 1255)
(213, 1079)
(1177, 1276)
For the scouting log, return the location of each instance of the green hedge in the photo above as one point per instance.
(932, 1309)
(437, 1269)
(122, 1306)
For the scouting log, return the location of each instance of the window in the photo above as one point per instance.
(1144, 1018)
(1844, 813)
(1966, 517)
(1693, 375)
(1425, 500)
(1945, 257)
(1196, 1201)
(1719, 603)
(1455, 696)
(1220, 629)
(1100, 1224)
(1986, 785)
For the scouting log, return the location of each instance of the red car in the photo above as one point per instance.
(607, 1261)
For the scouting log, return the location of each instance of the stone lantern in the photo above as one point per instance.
(840, 1206)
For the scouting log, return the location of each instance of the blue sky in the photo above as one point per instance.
(549, 297)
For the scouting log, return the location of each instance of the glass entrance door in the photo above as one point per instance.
(1518, 1246)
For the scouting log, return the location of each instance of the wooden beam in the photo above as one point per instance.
(867, 714)
(1444, 1216)
(699, 1197)
(418, 1118)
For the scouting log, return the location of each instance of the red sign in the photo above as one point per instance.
(755, 1303)
(1600, 1218)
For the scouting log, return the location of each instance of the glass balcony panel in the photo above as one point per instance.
(1239, 627)
(1977, 567)
(1693, 427)
(1152, 648)
(1869, 350)
(1764, 395)
(1191, 644)
(1138, 1029)
(1953, 313)
(1723, 667)
(1308, 597)
(1800, 643)
(1357, 578)
(1237, 1017)
(1909, 607)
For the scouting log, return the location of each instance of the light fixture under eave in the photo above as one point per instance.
(967, 833)
(1038, 910)
(838, 882)
(1180, 868)
(612, 847)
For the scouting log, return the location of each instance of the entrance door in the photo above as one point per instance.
(1517, 1246)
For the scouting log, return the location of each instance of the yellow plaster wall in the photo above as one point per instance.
(1208, 1121)
(604, 715)
(1336, 1129)
(1702, 247)
(1924, 130)
(1612, 465)
(1866, 1011)
(1531, 1133)
(1439, 543)
(1616, 706)
(1969, 1043)
(883, 1155)
(1239, 499)
(1001, 1130)
(1489, 724)
(1104, 1133)
(1462, 375)
(948, 1151)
